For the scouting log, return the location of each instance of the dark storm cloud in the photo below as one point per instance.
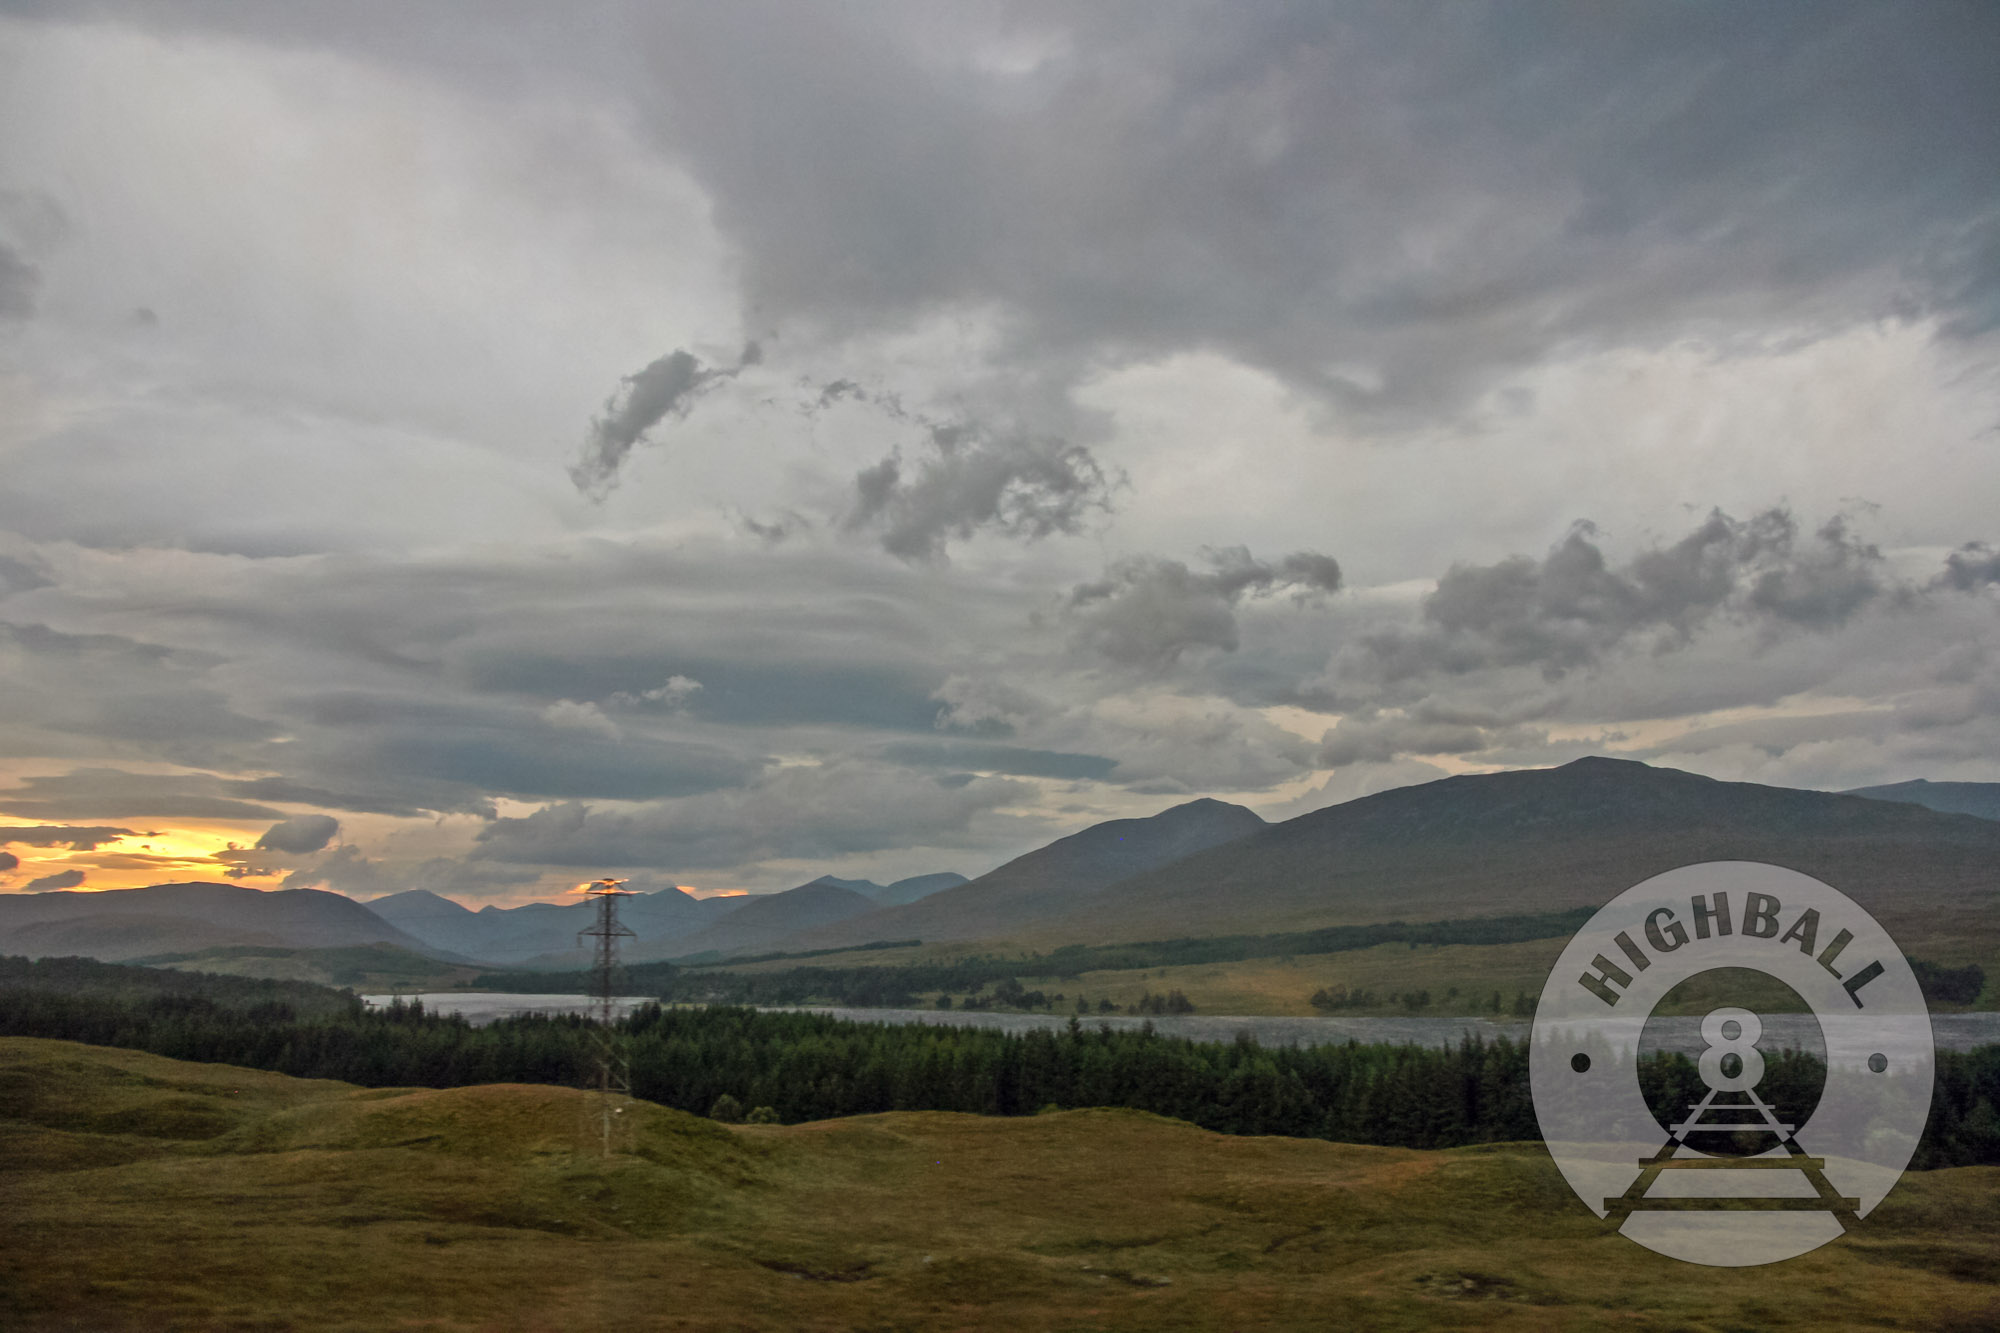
(970, 479)
(77, 839)
(1147, 611)
(62, 879)
(1382, 203)
(299, 835)
(1386, 205)
(667, 387)
(1570, 608)
(1972, 566)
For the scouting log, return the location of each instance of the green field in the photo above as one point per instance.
(146, 1193)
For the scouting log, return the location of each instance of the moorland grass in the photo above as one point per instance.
(148, 1193)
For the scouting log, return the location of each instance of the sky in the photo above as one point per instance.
(485, 446)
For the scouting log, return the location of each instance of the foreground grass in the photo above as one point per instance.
(146, 1193)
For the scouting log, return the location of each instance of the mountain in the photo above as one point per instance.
(1537, 840)
(543, 934)
(116, 924)
(915, 887)
(763, 921)
(1981, 799)
(1049, 881)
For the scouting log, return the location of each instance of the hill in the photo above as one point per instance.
(145, 1192)
(763, 920)
(117, 924)
(539, 933)
(1049, 881)
(1539, 840)
(1956, 798)
(915, 887)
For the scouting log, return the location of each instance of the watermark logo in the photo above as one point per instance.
(1811, 1057)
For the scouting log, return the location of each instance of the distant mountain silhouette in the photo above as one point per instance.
(1049, 881)
(1541, 839)
(765, 919)
(542, 931)
(915, 887)
(1981, 799)
(116, 924)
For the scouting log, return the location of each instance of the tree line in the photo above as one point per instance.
(810, 1066)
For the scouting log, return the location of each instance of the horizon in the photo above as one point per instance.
(570, 896)
(712, 445)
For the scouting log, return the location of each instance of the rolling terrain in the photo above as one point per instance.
(146, 1193)
(118, 924)
(1953, 798)
(1546, 839)
(1048, 882)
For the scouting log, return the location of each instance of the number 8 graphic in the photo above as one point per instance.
(1723, 1043)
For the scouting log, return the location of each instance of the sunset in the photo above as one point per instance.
(1185, 500)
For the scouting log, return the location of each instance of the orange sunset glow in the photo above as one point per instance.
(153, 855)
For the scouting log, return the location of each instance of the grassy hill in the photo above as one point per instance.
(1540, 840)
(146, 1193)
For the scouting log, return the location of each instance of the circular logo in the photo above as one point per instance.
(1732, 1062)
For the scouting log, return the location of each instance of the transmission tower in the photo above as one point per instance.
(614, 1071)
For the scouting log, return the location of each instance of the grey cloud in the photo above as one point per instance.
(109, 793)
(299, 835)
(1504, 182)
(31, 223)
(1376, 740)
(56, 835)
(20, 285)
(82, 689)
(500, 755)
(1569, 609)
(1972, 566)
(64, 879)
(667, 387)
(1011, 759)
(8, 862)
(1147, 611)
(345, 870)
(843, 808)
(973, 479)
(1580, 179)
(21, 576)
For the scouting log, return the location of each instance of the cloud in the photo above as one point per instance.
(20, 284)
(841, 808)
(673, 695)
(571, 715)
(1972, 566)
(63, 879)
(56, 835)
(345, 870)
(972, 479)
(1011, 759)
(665, 388)
(299, 835)
(9, 861)
(1146, 611)
(1572, 607)
(110, 793)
